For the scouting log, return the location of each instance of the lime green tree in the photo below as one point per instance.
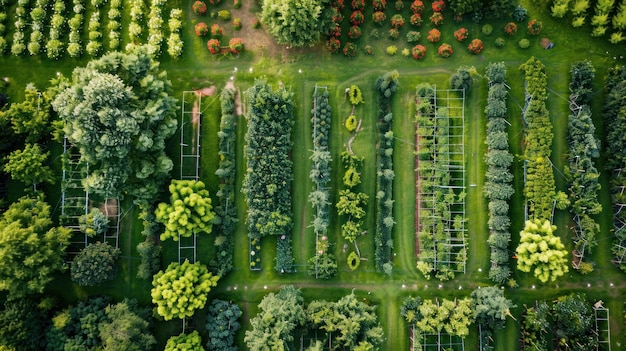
(181, 289)
(185, 342)
(296, 22)
(29, 165)
(541, 252)
(188, 212)
(31, 117)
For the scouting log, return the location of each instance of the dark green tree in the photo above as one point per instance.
(95, 264)
(222, 325)
(21, 325)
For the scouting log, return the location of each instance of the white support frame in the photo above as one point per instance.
(603, 326)
(454, 161)
(315, 146)
(74, 198)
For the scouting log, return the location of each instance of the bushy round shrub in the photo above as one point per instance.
(214, 46)
(236, 46)
(487, 29)
(461, 34)
(445, 50)
(416, 20)
(534, 27)
(199, 7)
(418, 51)
(413, 36)
(436, 19)
(353, 261)
(355, 32)
(379, 17)
(333, 45)
(499, 42)
(475, 46)
(201, 29)
(350, 49)
(510, 28)
(524, 43)
(394, 34)
(434, 35)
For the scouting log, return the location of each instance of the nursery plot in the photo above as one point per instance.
(442, 341)
(619, 223)
(441, 184)
(190, 127)
(74, 197)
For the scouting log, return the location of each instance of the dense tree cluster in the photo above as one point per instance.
(570, 317)
(386, 85)
(29, 165)
(347, 324)
(480, 9)
(279, 315)
(32, 250)
(117, 111)
(498, 182)
(324, 264)
(267, 183)
(584, 177)
(188, 212)
(31, 118)
(222, 325)
(295, 22)
(614, 117)
(541, 252)
(98, 323)
(95, 264)
(22, 324)
(436, 317)
(226, 211)
(539, 187)
(439, 196)
(181, 289)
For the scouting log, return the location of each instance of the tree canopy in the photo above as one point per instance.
(188, 212)
(181, 289)
(95, 264)
(31, 249)
(185, 342)
(29, 165)
(222, 325)
(117, 111)
(30, 118)
(541, 252)
(296, 22)
(128, 328)
(279, 315)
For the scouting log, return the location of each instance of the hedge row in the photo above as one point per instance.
(386, 85)
(498, 187)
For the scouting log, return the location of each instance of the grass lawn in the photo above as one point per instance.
(300, 70)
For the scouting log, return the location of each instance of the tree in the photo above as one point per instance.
(117, 111)
(22, 325)
(95, 264)
(29, 165)
(31, 117)
(181, 289)
(323, 266)
(78, 327)
(540, 251)
(575, 327)
(185, 342)
(294, 22)
(279, 315)
(491, 307)
(222, 325)
(31, 249)
(94, 223)
(349, 322)
(188, 212)
(462, 78)
(127, 328)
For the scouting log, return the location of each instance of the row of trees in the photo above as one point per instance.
(614, 117)
(539, 186)
(608, 16)
(583, 175)
(226, 210)
(441, 228)
(267, 182)
(347, 324)
(386, 85)
(498, 187)
(324, 264)
(487, 307)
(573, 324)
